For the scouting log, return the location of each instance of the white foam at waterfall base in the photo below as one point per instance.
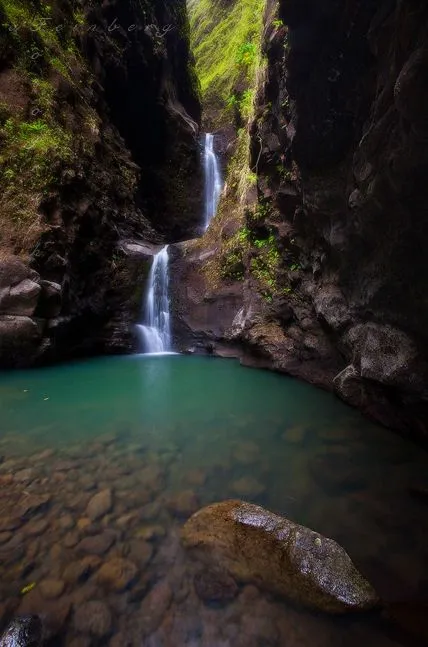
(213, 183)
(155, 330)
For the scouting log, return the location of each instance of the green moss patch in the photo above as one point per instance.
(226, 43)
(45, 135)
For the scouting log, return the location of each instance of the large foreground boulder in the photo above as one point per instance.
(258, 546)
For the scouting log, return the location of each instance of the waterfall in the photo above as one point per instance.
(155, 329)
(213, 185)
(155, 332)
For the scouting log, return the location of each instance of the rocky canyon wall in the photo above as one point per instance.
(347, 133)
(339, 147)
(99, 113)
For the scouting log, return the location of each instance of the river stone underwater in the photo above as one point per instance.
(167, 435)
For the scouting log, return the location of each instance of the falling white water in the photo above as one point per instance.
(155, 332)
(213, 185)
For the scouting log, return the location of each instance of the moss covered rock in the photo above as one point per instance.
(258, 546)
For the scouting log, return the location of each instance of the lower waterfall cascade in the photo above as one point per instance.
(155, 332)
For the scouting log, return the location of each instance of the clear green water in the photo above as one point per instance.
(223, 431)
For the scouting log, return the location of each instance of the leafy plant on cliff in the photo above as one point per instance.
(261, 255)
(234, 257)
(247, 54)
(264, 265)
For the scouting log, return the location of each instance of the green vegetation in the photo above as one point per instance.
(246, 55)
(234, 255)
(261, 254)
(37, 135)
(226, 43)
(260, 211)
(32, 155)
(37, 40)
(264, 267)
(243, 103)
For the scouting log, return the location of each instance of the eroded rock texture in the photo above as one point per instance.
(353, 100)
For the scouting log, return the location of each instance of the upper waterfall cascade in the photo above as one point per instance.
(213, 182)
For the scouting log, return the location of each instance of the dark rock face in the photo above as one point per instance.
(137, 179)
(201, 316)
(24, 304)
(152, 103)
(342, 120)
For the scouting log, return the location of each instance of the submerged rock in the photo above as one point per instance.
(36, 528)
(248, 487)
(295, 435)
(80, 571)
(153, 608)
(213, 585)
(51, 589)
(96, 545)
(94, 618)
(140, 552)
(117, 574)
(24, 476)
(246, 452)
(260, 547)
(151, 532)
(33, 503)
(99, 505)
(196, 477)
(182, 504)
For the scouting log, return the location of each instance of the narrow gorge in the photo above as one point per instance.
(213, 309)
(318, 255)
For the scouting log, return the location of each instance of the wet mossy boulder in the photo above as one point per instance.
(257, 546)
